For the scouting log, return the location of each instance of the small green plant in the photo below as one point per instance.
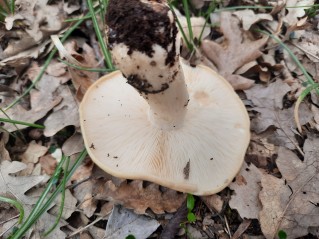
(312, 11)
(130, 237)
(190, 206)
(191, 217)
(282, 234)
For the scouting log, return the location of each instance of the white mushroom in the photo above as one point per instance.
(189, 131)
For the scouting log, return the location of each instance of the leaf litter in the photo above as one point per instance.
(276, 187)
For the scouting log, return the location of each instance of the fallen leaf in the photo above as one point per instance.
(124, 222)
(249, 17)
(96, 232)
(235, 51)
(198, 3)
(16, 187)
(241, 229)
(48, 164)
(197, 23)
(42, 99)
(171, 229)
(246, 190)
(82, 80)
(309, 42)
(84, 191)
(33, 153)
(296, 10)
(133, 195)
(289, 203)
(64, 114)
(213, 202)
(268, 102)
(69, 206)
(73, 145)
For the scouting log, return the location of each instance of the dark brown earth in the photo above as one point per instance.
(140, 26)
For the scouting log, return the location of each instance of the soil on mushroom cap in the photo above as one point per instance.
(139, 26)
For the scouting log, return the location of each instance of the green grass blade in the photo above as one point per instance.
(40, 210)
(188, 44)
(22, 123)
(188, 19)
(106, 53)
(260, 7)
(211, 9)
(12, 6)
(7, 5)
(62, 199)
(31, 218)
(292, 55)
(85, 68)
(15, 204)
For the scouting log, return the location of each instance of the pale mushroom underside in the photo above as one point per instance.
(201, 157)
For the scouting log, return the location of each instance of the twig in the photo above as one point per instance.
(227, 227)
(9, 219)
(84, 228)
(305, 51)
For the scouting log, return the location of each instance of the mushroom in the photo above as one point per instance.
(159, 119)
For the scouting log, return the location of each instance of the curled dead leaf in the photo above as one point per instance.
(133, 195)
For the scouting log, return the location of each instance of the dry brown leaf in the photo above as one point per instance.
(235, 51)
(197, 26)
(298, 10)
(82, 80)
(241, 229)
(69, 205)
(84, 191)
(290, 203)
(309, 43)
(268, 102)
(249, 17)
(39, 20)
(42, 99)
(4, 154)
(73, 145)
(198, 3)
(16, 187)
(64, 114)
(213, 202)
(33, 153)
(247, 187)
(48, 164)
(134, 196)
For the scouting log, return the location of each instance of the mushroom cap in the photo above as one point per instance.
(201, 157)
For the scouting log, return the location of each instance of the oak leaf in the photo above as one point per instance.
(246, 190)
(134, 196)
(290, 203)
(268, 102)
(124, 222)
(235, 51)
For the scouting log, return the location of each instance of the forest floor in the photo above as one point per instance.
(267, 50)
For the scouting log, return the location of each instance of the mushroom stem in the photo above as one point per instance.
(143, 40)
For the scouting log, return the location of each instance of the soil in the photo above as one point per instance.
(141, 25)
